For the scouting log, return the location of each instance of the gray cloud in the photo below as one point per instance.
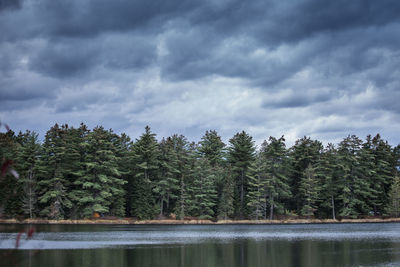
(268, 67)
(9, 4)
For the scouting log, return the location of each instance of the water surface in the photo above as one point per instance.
(309, 245)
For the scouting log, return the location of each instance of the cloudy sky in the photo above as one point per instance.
(324, 69)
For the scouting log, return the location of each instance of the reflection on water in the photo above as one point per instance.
(200, 245)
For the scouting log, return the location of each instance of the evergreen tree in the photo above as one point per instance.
(75, 140)
(354, 186)
(393, 207)
(119, 149)
(146, 156)
(212, 148)
(123, 153)
(10, 188)
(396, 159)
(256, 190)
(383, 173)
(327, 169)
(26, 160)
(53, 184)
(302, 154)
(275, 166)
(101, 184)
(203, 190)
(225, 203)
(241, 155)
(366, 176)
(186, 153)
(309, 192)
(167, 186)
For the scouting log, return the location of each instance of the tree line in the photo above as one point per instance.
(77, 172)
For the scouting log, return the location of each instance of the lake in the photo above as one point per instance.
(302, 245)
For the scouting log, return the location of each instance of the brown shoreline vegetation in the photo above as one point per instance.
(131, 221)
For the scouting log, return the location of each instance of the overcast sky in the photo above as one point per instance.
(324, 69)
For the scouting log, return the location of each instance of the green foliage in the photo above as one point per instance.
(166, 187)
(225, 204)
(26, 160)
(204, 194)
(52, 170)
(393, 207)
(77, 172)
(309, 192)
(302, 154)
(241, 155)
(355, 173)
(146, 154)
(10, 188)
(275, 166)
(101, 185)
(212, 148)
(327, 169)
(256, 190)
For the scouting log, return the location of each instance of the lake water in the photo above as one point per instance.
(310, 245)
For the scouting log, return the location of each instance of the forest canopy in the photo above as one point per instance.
(77, 172)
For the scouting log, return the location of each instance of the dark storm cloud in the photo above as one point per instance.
(76, 18)
(338, 28)
(289, 67)
(9, 4)
(298, 98)
(202, 38)
(65, 59)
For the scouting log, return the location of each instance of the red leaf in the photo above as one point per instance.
(17, 239)
(30, 232)
(7, 127)
(5, 166)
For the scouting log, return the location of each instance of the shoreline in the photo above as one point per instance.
(197, 222)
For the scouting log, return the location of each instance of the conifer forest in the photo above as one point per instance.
(77, 172)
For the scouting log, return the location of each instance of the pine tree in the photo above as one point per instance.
(203, 190)
(256, 190)
(26, 160)
(309, 192)
(10, 188)
(101, 184)
(186, 153)
(75, 157)
(123, 153)
(384, 173)
(167, 186)
(275, 166)
(327, 169)
(212, 148)
(393, 207)
(240, 156)
(302, 154)
(366, 176)
(146, 156)
(354, 185)
(225, 202)
(119, 148)
(51, 180)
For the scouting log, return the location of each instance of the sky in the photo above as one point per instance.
(324, 69)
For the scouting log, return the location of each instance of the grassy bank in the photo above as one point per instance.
(181, 222)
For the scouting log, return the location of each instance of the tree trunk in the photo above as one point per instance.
(182, 215)
(271, 210)
(241, 195)
(333, 208)
(161, 207)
